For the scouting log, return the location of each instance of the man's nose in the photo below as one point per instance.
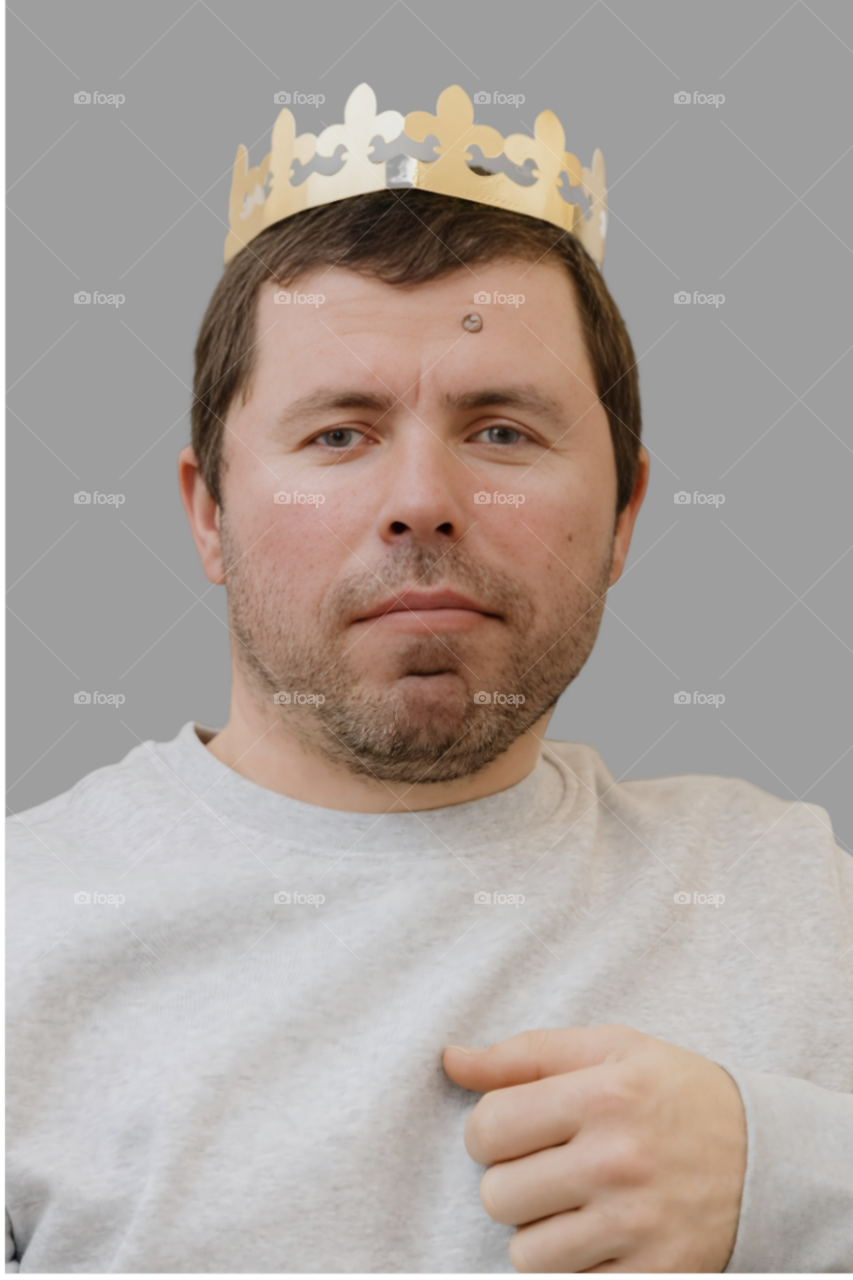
(424, 491)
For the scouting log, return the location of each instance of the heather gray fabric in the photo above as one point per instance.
(204, 1079)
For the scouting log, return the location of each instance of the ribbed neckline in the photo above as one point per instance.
(546, 795)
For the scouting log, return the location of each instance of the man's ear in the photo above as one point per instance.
(203, 515)
(625, 523)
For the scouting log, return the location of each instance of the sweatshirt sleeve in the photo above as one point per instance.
(12, 1263)
(797, 1205)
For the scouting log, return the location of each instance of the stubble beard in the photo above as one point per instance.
(409, 730)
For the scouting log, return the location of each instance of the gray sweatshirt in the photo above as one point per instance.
(227, 1008)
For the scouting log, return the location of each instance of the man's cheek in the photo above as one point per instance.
(303, 543)
(530, 539)
(575, 530)
(506, 525)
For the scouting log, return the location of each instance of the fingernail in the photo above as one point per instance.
(462, 1049)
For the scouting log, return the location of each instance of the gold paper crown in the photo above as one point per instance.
(251, 209)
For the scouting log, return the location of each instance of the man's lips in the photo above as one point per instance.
(424, 602)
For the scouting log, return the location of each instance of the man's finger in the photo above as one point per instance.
(534, 1055)
(580, 1240)
(513, 1122)
(515, 1192)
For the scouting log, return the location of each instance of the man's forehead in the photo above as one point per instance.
(525, 283)
(364, 327)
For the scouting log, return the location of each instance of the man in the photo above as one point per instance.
(237, 1049)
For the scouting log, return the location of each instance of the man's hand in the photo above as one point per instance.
(610, 1149)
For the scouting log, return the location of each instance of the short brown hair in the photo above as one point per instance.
(405, 237)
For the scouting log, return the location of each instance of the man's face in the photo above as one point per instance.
(437, 576)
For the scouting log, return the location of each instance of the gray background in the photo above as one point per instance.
(750, 399)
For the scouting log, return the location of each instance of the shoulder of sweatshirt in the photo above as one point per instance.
(139, 784)
(708, 811)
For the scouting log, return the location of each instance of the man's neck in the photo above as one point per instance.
(264, 751)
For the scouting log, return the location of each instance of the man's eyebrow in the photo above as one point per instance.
(514, 397)
(519, 397)
(320, 402)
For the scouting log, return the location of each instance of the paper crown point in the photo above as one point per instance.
(262, 196)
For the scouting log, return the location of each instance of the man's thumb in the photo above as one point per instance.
(534, 1055)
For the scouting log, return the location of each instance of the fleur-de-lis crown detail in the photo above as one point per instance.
(264, 195)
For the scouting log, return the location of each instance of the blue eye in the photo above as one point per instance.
(340, 438)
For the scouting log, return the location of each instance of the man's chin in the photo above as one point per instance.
(423, 728)
(427, 708)
(430, 690)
